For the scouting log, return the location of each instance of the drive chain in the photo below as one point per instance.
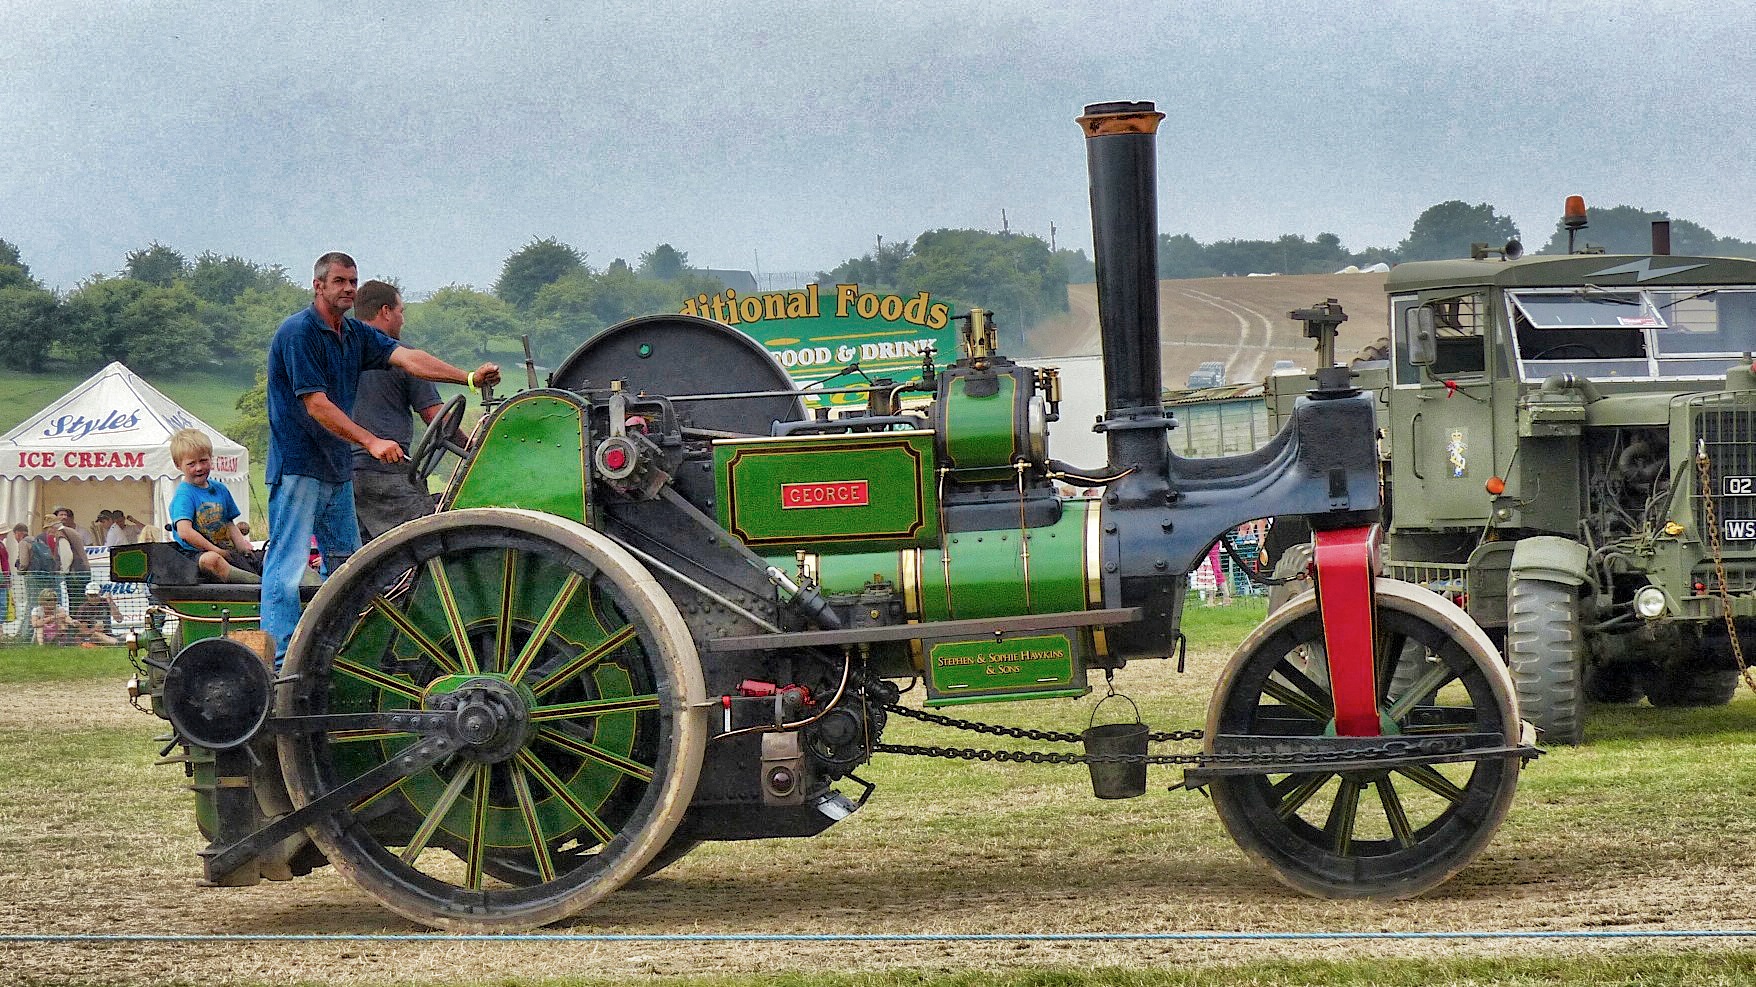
(1389, 749)
(1392, 748)
(1025, 733)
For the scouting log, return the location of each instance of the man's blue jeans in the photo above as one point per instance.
(299, 507)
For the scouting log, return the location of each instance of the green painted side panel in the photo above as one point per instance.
(987, 572)
(244, 617)
(1020, 664)
(532, 457)
(784, 493)
(979, 433)
(128, 564)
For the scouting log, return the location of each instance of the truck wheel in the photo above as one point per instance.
(1613, 682)
(560, 673)
(1543, 649)
(1686, 683)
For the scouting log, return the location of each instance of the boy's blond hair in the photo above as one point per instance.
(188, 443)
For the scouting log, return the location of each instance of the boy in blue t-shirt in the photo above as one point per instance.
(204, 517)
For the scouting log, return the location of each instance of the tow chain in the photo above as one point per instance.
(1388, 749)
(1703, 469)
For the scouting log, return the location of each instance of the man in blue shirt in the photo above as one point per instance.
(314, 366)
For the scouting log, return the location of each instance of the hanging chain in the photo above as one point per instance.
(1703, 469)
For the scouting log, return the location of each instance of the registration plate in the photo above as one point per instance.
(1738, 529)
(1737, 486)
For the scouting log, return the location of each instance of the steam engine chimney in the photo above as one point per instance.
(1119, 147)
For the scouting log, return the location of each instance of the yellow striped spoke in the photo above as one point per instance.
(399, 686)
(1296, 790)
(593, 707)
(1427, 777)
(566, 673)
(572, 745)
(1342, 815)
(1394, 813)
(550, 617)
(453, 615)
(370, 797)
(478, 830)
(369, 733)
(503, 630)
(527, 807)
(1296, 699)
(430, 824)
(445, 661)
(1429, 683)
(525, 760)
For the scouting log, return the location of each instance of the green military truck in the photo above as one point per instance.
(1574, 444)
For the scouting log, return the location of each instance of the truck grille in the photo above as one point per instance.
(1726, 428)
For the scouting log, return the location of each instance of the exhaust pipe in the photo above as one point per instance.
(1121, 157)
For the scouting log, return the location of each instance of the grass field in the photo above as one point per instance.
(1647, 827)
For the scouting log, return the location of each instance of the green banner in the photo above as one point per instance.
(816, 332)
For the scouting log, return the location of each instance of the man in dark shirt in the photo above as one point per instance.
(314, 366)
(384, 496)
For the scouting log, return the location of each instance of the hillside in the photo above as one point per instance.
(1242, 321)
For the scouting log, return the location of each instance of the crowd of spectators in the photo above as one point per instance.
(47, 595)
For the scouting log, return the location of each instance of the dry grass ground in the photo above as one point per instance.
(1648, 827)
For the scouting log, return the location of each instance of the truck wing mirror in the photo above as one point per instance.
(1418, 339)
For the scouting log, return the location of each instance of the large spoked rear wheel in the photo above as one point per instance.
(563, 679)
(1390, 833)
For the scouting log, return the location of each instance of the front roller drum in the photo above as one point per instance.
(555, 698)
(1365, 832)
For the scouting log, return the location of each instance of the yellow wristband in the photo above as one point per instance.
(470, 379)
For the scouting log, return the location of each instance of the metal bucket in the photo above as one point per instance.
(1116, 779)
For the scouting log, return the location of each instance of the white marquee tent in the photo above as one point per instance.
(105, 445)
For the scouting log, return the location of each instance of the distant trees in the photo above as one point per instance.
(664, 262)
(29, 315)
(156, 264)
(1627, 230)
(536, 264)
(1180, 256)
(1447, 230)
(1013, 275)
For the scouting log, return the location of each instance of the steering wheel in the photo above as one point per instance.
(436, 441)
(1590, 351)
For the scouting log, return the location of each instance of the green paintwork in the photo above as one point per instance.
(127, 564)
(243, 616)
(981, 432)
(532, 456)
(987, 572)
(897, 468)
(990, 669)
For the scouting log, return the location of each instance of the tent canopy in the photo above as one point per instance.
(105, 444)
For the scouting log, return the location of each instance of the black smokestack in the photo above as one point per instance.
(1661, 236)
(1120, 152)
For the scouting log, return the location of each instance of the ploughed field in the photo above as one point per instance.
(1648, 826)
(1241, 322)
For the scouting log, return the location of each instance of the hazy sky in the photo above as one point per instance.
(433, 139)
